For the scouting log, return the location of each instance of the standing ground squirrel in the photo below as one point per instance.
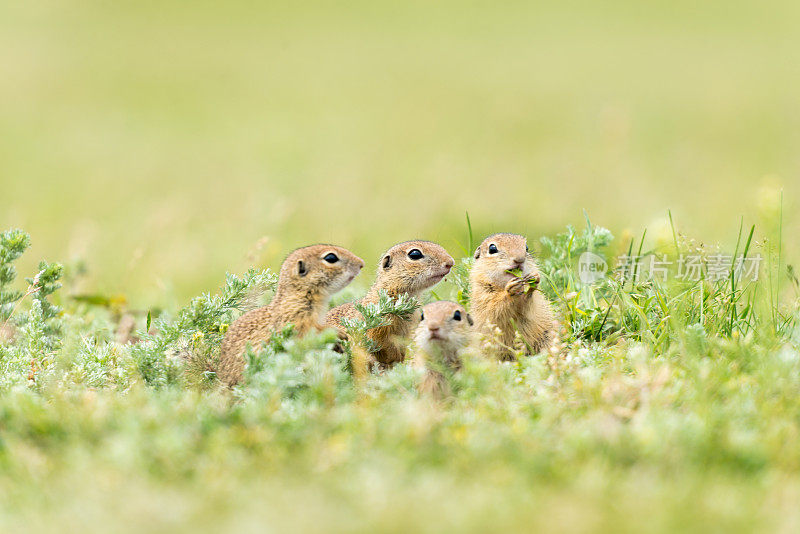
(445, 328)
(308, 278)
(409, 268)
(507, 301)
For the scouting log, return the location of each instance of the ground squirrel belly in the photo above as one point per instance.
(504, 300)
(308, 278)
(409, 268)
(445, 328)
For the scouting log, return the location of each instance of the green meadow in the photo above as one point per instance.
(149, 148)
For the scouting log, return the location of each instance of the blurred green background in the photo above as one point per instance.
(167, 142)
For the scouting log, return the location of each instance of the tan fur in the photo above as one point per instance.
(498, 298)
(301, 299)
(439, 338)
(398, 274)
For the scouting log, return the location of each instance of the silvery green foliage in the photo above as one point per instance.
(34, 335)
(296, 374)
(398, 380)
(376, 315)
(40, 287)
(459, 275)
(13, 243)
(199, 327)
(96, 363)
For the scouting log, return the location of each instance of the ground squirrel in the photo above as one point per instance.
(410, 268)
(445, 328)
(507, 301)
(308, 278)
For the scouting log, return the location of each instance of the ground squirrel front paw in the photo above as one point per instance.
(515, 286)
(532, 280)
(520, 286)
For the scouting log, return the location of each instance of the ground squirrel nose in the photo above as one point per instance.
(449, 263)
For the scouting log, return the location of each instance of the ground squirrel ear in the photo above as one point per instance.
(387, 261)
(469, 320)
(478, 252)
(301, 268)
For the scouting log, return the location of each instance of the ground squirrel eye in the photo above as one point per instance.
(415, 254)
(493, 249)
(331, 258)
(527, 249)
(421, 316)
(457, 315)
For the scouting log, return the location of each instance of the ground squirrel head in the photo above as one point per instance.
(320, 269)
(413, 266)
(443, 325)
(500, 253)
